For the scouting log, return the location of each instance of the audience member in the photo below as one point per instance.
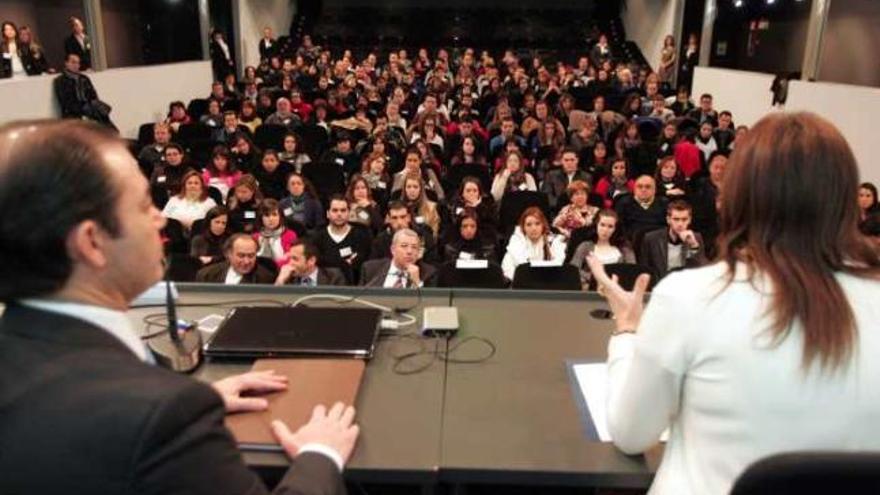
(273, 237)
(78, 43)
(341, 244)
(558, 180)
(643, 210)
(77, 96)
(403, 270)
(191, 203)
(207, 245)
(577, 213)
(673, 248)
(302, 268)
(240, 267)
(468, 240)
(301, 204)
(532, 240)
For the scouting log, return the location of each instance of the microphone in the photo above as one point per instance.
(180, 349)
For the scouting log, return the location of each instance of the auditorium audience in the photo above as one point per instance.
(382, 132)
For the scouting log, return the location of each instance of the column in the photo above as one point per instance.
(95, 29)
(815, 33)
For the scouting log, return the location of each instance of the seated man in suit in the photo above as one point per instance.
(302, 268)
(558, 179)
(403, 269)
(83, 409)
(675, 247)
(399, 217)
(241, 265)
(643, 210)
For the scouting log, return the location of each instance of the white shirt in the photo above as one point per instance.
(186, 211)
(701, 363)
(521, 250)
(116, 323)
(232, 277)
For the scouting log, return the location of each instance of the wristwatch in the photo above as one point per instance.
(621, 331)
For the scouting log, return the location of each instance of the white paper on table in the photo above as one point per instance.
(592, 381)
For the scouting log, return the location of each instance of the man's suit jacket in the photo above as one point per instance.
(655, 254)
(327, 276)
(556, 182)
(81, 413)
(71, 45)
(216, 273)
(72, 106)
(373, 273)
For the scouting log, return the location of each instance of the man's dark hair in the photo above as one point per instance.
(52, 178)
(396, 205)
(706, 95)
(309, 248)
(679, 205)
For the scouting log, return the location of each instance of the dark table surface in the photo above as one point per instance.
(512, 419)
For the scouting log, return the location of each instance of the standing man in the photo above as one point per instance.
(82, 405)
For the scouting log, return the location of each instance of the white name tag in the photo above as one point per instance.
(464, 255)
(363, 215)
(381, 185)
(471, 264)
(7, 55)
(250, 215)
(459, 211)
(345, 252)
(523, 186)
(420, 219)
(544, 263)
(288, 212)
(161, 179)
(340, 161)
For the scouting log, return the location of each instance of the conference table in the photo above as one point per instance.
(512, 419)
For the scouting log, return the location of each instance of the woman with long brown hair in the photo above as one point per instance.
(772, 348)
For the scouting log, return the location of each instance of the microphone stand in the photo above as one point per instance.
(178, 350)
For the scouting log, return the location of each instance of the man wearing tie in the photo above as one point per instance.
(302, 268)
(83, 409)
(403, 270)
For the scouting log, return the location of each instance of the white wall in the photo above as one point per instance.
(647, 23)
(252, 16)
(137, 95)
(851, 108)
(746, 94)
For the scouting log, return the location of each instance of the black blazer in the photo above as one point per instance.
(216, 273)
(655, 254)
(72, 106)
(71, 45)
(373, 273)
(81, 412)
(327, 276)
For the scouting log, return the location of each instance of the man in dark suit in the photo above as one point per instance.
(675, 247)
(77, 96)
(403, 270)
(643, 210)
(302, 268)
(268, 45)
(83, 409)
(557, 181)
(79, 43)
(241, 265)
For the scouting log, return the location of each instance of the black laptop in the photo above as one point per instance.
(260, 332)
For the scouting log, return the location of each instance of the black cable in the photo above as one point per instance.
(436, 354)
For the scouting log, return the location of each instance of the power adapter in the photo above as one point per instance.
(440, 321)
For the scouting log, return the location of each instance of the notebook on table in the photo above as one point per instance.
(310, 382)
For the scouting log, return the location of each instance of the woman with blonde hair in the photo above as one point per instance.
(772, 348)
